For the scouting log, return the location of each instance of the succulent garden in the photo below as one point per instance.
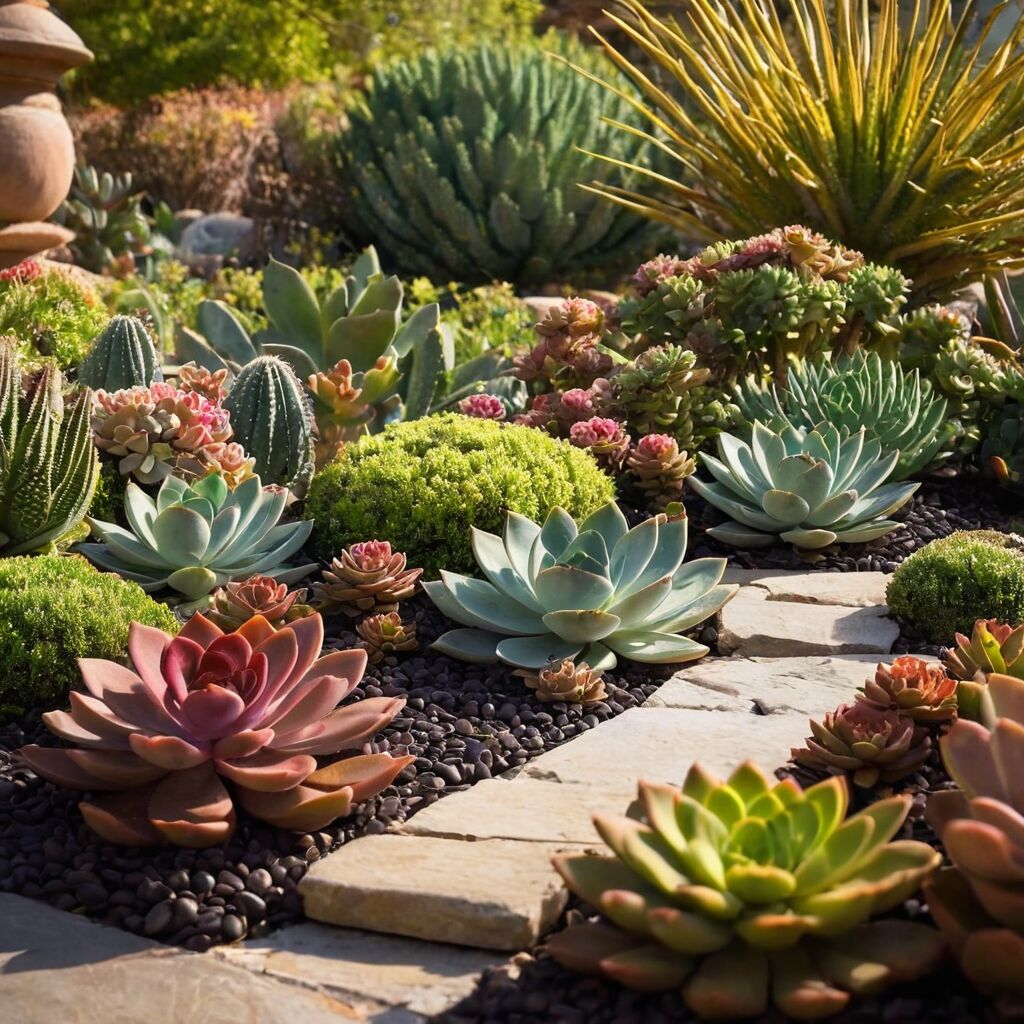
(410, 408)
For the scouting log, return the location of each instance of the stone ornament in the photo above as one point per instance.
(37, 153)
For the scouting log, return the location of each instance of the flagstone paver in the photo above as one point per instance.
(847, 589)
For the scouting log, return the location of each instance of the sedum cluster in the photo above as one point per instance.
(744, 893)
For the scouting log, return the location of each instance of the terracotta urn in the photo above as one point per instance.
(37, 151)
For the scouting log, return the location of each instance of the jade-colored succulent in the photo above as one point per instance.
(386, 634)
(368, 578)
(587, 592)
(48, 466)
(872, 744)
(916, 689)
(811, 489)
(208, 718)
(195, 537)
(897, 407)
(747, 893)
(979, 903)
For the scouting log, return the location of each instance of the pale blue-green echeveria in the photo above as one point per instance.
(195, 538)
(585, 592)
(811, 488)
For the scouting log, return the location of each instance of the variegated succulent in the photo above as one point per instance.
(368, 578)
(812, 489)
(748, 892)
(209, 718)
(979, 903)
(586, 592)
(195, 537)
(873, 745)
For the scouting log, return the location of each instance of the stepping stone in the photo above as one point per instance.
(493, 894)
(56, 966)
(753, 625)
(848, 589)
(422, 978)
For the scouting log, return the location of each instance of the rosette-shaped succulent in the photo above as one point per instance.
(568, 353)
(650, 274)
(605, 439)
(387, 634)
(744, 891)
(147, 429)
(194, 537)
(368, 578)
(873, 745)
(921, 691)
(653, 389)
(659, 468)
(160, 746)
(811, 489)
(483, 407)
(993, 646)
(585, 592)
(235, 604)
(564, 682)
(211, 384)
(896, 406)
(574, 318)
(231, 460)
(979, 903)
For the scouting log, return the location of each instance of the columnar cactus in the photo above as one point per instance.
(48, 466)
(123, 357)
(273, 422)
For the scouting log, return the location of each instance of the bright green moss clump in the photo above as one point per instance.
(422, 485)
(55, 609)
(947, 585)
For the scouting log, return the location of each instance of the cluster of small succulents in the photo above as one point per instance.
(586, 591)
(741, 306)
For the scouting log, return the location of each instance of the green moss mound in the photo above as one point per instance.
(422, 485)
(947, 585)
(55, 609)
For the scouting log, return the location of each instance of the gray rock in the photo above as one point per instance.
(215, 234)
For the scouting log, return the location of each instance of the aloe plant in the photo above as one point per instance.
(360, 321)
(48, 465)
(587, 592)
(810, 488)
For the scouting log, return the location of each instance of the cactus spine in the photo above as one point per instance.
(122, 357)
(48, 465)
(273, 422)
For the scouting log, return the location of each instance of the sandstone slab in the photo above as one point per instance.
(56, 966)
(492, 894)
(526, 809)
(753, 625)
(419, 977)
(846, 589)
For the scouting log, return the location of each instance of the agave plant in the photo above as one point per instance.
(585, 592)
(812, 489)
(741, 892)
(863, 390)
(361, 322)
(899, 137)
(195, 537)
(160, 746)
(978, 904)
(48, 466)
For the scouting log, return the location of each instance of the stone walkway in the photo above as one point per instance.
(473, 868)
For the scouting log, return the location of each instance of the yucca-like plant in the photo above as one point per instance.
(586, 592)
(746, 891)
(811, 489)
(48, 465)
(863, 390)
(901, 139)
(467, 163)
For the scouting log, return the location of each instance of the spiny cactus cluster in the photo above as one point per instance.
(469, 162)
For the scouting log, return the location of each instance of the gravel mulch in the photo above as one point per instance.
(462, 722)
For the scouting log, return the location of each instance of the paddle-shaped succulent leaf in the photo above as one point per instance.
(748, 890)
(812, 489)
(979, 903)
(210, 718)
(195, 537)
(48, 466)
(993, 646)
(586, 592)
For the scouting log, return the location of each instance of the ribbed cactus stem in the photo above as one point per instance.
(123, 357)
(272, 421)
